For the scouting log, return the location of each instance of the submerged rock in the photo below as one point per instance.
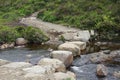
(65, 56)
(101, 70)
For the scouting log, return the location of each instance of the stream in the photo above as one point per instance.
(27, 54)
(83, 69)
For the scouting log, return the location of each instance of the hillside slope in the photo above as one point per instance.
(101, 15)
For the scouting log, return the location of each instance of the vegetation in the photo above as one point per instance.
(33, 35)
(100, 15)
(8, 34)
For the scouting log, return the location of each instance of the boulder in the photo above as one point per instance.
(21, 41)
(81, 45)
(17, 65)
(63, 76)
(70, 47)
(83, 35)
(55, 63)
(101, 70)
(3, 62)
(65, 56)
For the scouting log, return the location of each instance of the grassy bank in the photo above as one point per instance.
(100, 15)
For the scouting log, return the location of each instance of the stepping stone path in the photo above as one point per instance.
(53, 68)
(75, 47)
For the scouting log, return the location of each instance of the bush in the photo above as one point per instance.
(108, 31)
(34, 35)
(10, 34)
